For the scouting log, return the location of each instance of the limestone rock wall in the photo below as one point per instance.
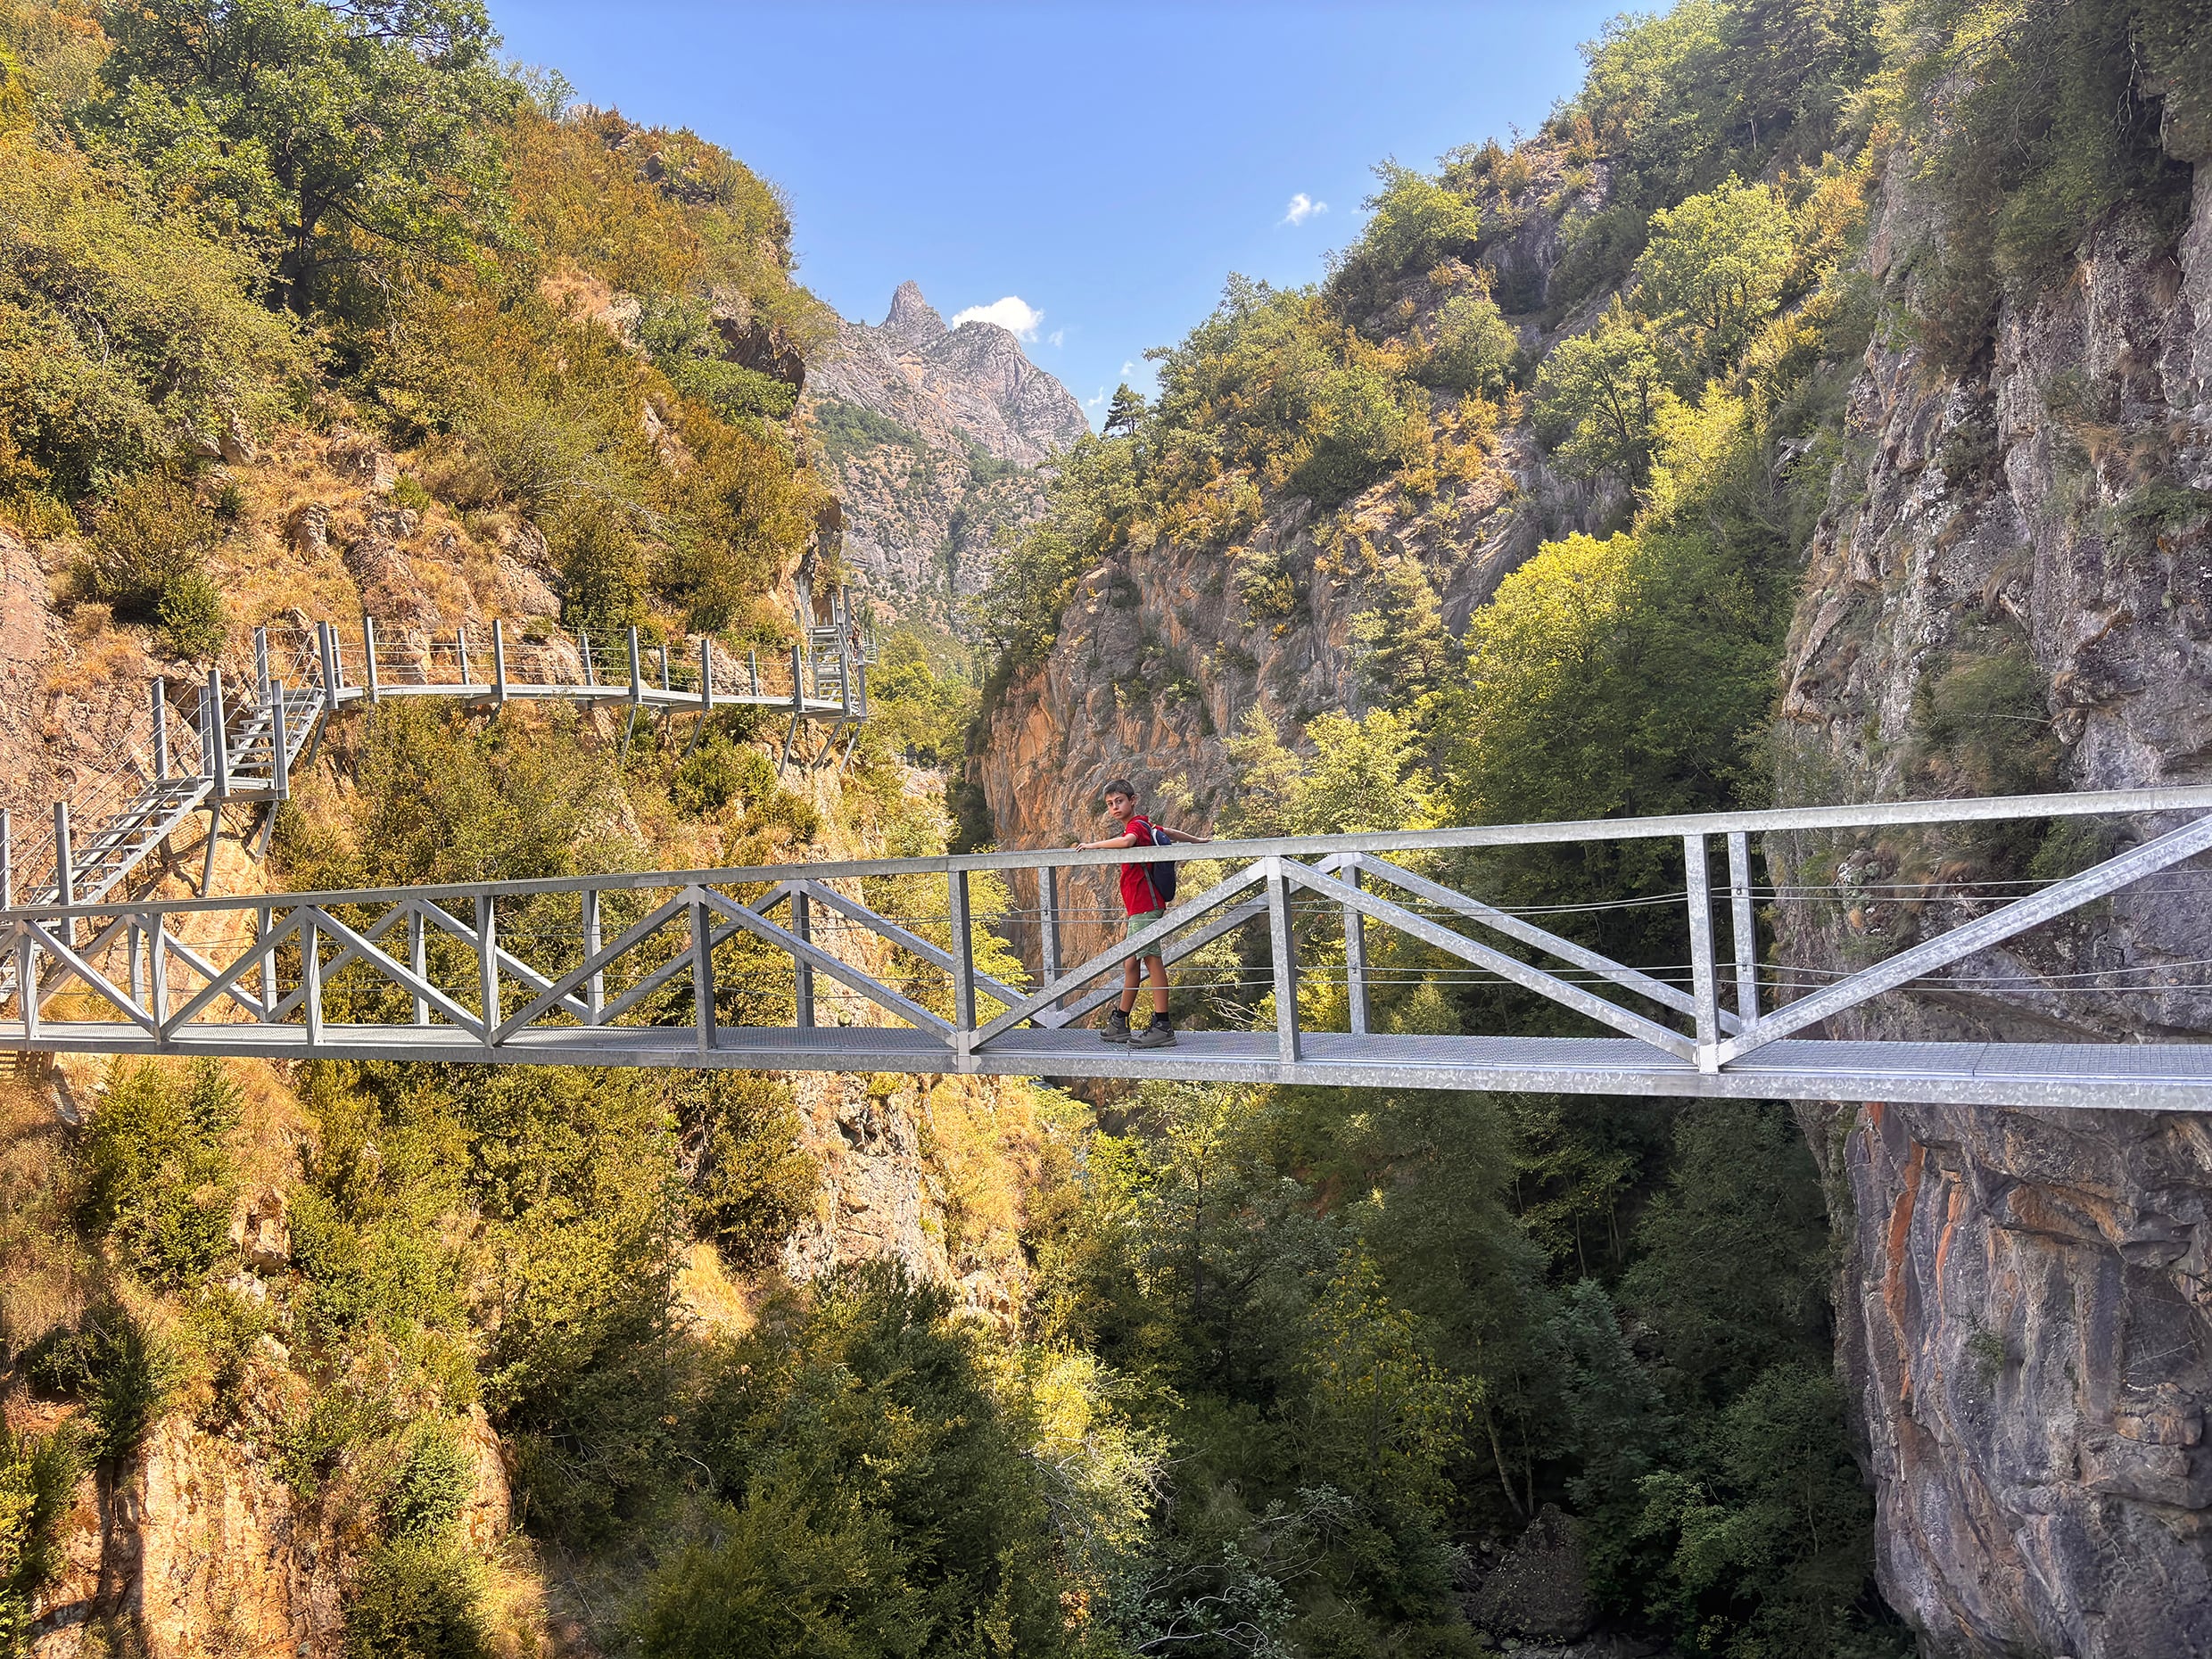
(923, 516)
(2025, 1305)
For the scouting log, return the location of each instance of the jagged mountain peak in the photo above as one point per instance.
(911, 320)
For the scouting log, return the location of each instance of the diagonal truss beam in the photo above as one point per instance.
(206, 970)
(562, 991)
(1507, 967)
(358, 949)
(347, 956)
(1514, 926)
(1112, 958)
(2054, 901)
(248, 959)
(72, 963)
(830, 898)
(842, 971)
(505, 960)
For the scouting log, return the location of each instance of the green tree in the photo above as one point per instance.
(1125, 411)
(1714, 270)
(1474, 347)
(332, 135)
(1363, 774)
(1603, 391)
(157, 1169)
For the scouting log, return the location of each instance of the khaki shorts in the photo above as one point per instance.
(1143, 922)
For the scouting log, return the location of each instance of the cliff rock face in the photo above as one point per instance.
(935, 433)
(2026, 1306)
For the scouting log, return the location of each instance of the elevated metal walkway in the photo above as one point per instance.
(695, 968)
(242, 744)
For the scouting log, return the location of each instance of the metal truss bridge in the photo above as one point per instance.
(874, 967)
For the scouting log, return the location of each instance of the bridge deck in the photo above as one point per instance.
(2138, 1076)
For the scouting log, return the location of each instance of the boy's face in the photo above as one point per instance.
(1119, 806)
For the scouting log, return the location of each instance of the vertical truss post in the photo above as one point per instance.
(326, 643)
(160, 731)
(1704, 971)
(798, 710)
(1355, 961)
(368, 654)
(498, 662)
(460, 649)
(584, 649)
(218, 738)
(488, 964)
(1283, 944)
(666, 684)
(595, 988)
(418, 958)
(133, 948)
(264, 921)
(1048, 921)
(261, 663)
(752, 663)
(279, 750)
(803, 991)
(706, 676)
(158, 971)
(312, 981)
(27, 982)
(7, 859)
(963, 964)
(637, 672)
(702, 974)
(1743, 927)
(64, 869)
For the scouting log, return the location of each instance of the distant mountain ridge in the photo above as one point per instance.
(933, 433)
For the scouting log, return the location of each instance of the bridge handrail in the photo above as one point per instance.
(2168, 799)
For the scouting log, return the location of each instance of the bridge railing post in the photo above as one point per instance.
(1743, 927)
(583, 650)
(280, 746)
(7, 859)
(218, 738)
(1355, 960)
(160, 731)
(488, 964)
(312, 982)
(702, 974)
(418, 958)
(264, 919)
(963, 964)
(1704, 969)
(1283, 944)
(158, 969)
(461, 646)
(803, 985)
(261, 663)
(498, 662)
(637, 672)
(64, 869)
(369, 656)
(326, 646)
(1048, 921)
(595, 990)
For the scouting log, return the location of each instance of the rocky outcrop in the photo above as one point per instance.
(935, 433)
(2026, 1303)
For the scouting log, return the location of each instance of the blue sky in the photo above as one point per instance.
(1103, 168)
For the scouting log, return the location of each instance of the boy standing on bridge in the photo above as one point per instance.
(1142, 899)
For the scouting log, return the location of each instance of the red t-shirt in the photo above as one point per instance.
(1137, 895)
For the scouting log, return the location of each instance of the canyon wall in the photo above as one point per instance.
(2025, 1306)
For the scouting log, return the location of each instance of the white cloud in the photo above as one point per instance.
(1128, 370)
(1011, 314)
(1302, 208)
(1057, 337)
(1095, 399)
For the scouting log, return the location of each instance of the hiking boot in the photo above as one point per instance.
(1115, 1030)
(1160, 1034)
